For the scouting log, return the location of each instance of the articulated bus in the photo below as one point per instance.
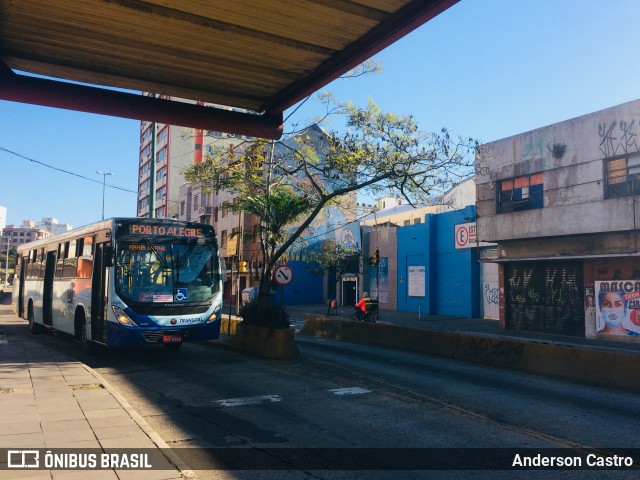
(123, 282)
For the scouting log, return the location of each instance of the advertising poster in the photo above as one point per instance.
(417, 280)
(383, 281)
(618, 307)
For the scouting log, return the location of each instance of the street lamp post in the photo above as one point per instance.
(104, 180)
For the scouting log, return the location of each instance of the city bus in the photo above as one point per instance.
(123, 282)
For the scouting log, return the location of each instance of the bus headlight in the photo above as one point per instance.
(122, 317)
(214, 315)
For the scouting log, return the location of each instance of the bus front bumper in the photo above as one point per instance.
(123, 336)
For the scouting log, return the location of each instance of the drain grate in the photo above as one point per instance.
(88, 386)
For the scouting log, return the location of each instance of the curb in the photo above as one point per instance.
(169, 454)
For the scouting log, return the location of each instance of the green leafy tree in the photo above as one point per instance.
(335, 258)
(277, 208)
(377, 152)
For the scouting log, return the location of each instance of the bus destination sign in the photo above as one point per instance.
(137, 229)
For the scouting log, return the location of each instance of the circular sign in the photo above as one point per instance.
(283, 275)
(462, 236)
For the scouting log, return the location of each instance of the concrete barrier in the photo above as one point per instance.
(592, 365)
(228, 326)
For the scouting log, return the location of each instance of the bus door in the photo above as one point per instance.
(23, 270)
(47, 290)
(99, 291)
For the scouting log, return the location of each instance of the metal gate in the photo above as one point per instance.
(545, 297)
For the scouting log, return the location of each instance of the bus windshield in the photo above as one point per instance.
(166, 272)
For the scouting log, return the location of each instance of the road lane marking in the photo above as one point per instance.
(350, 391)
(236, 402)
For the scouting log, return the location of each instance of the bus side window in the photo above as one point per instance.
(87, 247)
(85, 267)
(41, 264)
(70, 260)
(28, 267)
(60, 261)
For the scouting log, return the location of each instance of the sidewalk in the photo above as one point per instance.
(51, 401)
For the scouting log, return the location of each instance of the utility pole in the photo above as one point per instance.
(104, 180)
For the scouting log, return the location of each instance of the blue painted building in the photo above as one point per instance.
(436, 275)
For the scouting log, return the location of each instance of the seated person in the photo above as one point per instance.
(361, 306)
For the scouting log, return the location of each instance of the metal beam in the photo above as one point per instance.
(83, 98)
(407, 19)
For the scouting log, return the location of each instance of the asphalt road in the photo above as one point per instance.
(346, 406)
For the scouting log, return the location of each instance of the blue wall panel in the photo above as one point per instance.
(413, 248)
(453, 275)
(305, 289)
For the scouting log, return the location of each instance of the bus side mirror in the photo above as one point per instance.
(108, 256)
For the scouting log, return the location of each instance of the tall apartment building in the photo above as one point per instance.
(175, 148)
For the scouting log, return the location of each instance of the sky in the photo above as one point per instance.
(485, 69)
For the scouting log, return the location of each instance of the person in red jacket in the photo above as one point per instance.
(361, 306)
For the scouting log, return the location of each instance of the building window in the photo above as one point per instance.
(623, 176)
(521, 193)
(162, 135)
(223, 238)
(162, 173)
(146, 135)
(417, 221)
(182, 208)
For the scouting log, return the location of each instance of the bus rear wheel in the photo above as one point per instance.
(82, 334)
(34, 327)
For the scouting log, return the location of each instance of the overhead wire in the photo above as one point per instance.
(62, 170)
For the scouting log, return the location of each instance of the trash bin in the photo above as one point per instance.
(249, 294)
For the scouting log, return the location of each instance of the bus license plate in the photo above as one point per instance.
(171, 339)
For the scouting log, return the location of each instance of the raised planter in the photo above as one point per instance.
(266, 342)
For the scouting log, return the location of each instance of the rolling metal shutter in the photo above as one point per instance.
(545, 297)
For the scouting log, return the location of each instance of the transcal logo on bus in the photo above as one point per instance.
(160, 230)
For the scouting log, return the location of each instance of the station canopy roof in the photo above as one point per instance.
(257, 56)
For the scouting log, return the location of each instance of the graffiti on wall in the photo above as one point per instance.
(542, 148)
(618, 137)
(491, 300)
(535, 148)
